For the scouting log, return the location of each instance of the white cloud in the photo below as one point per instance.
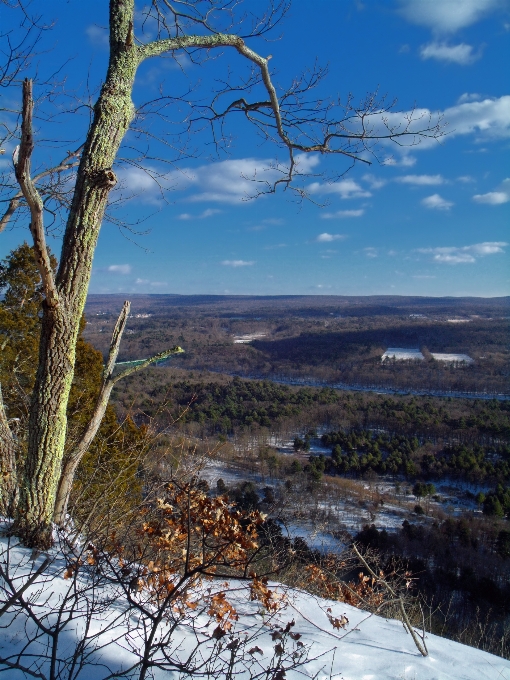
(405, 161)
(306, 162)
(421, 180)
(461, 54)
(495, 197)
(465, 179)
(371, 252)
(342, 214)
(345, 188)
(327, 238)
(447, 16)
(464, 254)
(436, 202)
(492, 198)
(232, 181)
(488, 119)
(237, 263)
(148, 282)
(206, 213)
(469, 97)
(120, 268)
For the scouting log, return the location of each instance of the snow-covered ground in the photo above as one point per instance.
(402, 354)
(452, 358)
(362, 647)
(245, 339)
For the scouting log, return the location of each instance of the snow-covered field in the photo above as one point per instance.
(451, 358)
(244, 339)
(364, 647)
(402, 354)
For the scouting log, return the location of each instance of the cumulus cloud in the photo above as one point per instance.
(436, 202)
(237, 263)
(327, 238)
(371, 252)
(421, 180)
(495, 197)
(486, 119)
(345, 188)
(230, 181)
(464, 254)
(447, 16)
(342, 214)
(492, 198)
(120, 268)
(462, 53)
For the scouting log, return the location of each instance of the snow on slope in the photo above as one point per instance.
(369, 648)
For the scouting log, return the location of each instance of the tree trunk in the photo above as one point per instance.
(47, 426)
(8, 479)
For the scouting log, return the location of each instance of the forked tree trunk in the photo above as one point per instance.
(65, 294)
(61, 315)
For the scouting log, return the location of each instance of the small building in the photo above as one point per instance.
(402, 354)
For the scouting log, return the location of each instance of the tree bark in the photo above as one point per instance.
(72, 460)
(60, 324)
(65, 298)
(8, 479)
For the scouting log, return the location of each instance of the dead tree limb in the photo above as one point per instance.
(73, 459)
(419, 640)
(33, 198)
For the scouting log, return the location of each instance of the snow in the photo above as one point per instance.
(370, 647)
(451, 358)
(402, 354)
(244, 339)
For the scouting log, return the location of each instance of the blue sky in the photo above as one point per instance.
(430, 219)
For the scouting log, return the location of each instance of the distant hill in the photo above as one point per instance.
(301, 305)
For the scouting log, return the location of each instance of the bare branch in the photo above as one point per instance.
(14, 202)
(73, 459)
(158, 47)
(419, 641)
(32, 196)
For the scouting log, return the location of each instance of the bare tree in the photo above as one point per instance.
(290, 118)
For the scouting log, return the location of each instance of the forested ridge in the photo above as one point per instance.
(328, 344)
